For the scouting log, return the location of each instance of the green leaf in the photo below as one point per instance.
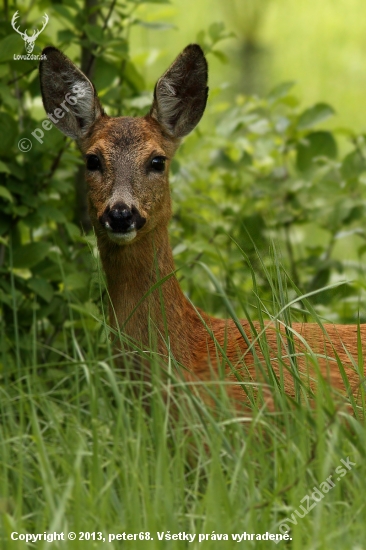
(49, 212)
(64, 12)
(41, 287)
(6, 94)
(4, 69)
(65, 35)
(280, 91)
(14, 169)
(75, 281)
(12, 44)
(9, 131)
(181, 247)
(118, 48)
(5, 193)
(73, 231)
(88, 309)
(316, 144)
(105, 73)
(215, 30)
(162, 26)
(21, 210)
(30, 254)
(353, 165)
(133, 77)
(220, 56)
(94, 33)
(314, 115)
(4, 168)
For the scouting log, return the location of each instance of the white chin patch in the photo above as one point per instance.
(122, 238)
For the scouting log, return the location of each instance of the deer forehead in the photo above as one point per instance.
(128, 139)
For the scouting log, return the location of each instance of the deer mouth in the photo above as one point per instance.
(121, 238)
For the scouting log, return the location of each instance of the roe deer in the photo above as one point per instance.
(127, 163)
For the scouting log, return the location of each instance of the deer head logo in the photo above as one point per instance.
(29, 40)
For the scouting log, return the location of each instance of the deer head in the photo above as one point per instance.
(127, 159)
(29, 40)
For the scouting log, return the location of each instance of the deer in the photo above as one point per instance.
(127, 163)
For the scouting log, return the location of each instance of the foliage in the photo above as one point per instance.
(270, 172)
(43, 256)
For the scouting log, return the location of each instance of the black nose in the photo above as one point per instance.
(121, 218)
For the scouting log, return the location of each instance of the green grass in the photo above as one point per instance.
(85, 448)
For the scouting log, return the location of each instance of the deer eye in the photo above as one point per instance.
(158, 164)
(93, 163)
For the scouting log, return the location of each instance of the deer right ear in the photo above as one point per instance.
(180, 95)
(68, 95)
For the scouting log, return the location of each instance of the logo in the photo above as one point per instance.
(29, 40)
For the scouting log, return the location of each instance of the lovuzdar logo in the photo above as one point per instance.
(29, 40)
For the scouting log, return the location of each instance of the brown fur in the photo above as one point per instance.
(125, 147)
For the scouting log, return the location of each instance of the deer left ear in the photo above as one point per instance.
(180, 95)
(68, 95)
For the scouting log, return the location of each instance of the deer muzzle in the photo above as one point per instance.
(122, 222)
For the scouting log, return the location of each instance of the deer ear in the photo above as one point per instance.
(68, 95)
(180, 95)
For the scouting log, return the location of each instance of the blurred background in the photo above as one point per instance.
(319, 45)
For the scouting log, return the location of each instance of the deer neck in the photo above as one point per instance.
(131, 272)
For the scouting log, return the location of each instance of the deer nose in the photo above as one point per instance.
(121, 218)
